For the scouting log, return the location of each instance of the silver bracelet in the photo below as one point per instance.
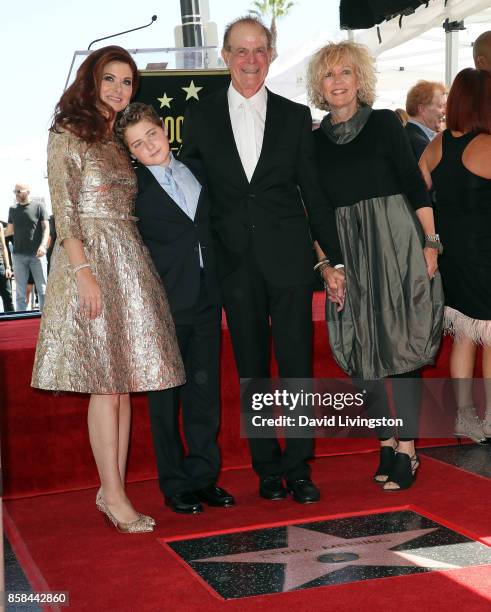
(321, 263)
(81, 266)
(433, 244)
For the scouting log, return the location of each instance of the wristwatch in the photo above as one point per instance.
(432, 241)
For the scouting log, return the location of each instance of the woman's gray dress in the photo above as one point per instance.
(391, 322)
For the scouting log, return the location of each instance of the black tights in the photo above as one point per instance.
(406, 392)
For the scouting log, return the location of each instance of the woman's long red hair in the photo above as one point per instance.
(469, 102)
(79, 108)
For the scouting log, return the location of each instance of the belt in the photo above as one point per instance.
(101, 215)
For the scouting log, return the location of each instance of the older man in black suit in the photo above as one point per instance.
(258, 155)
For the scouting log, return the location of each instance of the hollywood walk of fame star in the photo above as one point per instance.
(192, 91)
(165, 101)
(312, 554)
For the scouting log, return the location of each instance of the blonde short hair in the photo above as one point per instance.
(334, 53)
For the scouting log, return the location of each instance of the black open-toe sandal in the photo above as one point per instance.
(403, 471)
(387, 458)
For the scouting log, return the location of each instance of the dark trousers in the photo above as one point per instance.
(406, 393)
(250, 302)
(198, 334)
(6, 290)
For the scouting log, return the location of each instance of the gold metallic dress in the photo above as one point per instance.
(132, 345)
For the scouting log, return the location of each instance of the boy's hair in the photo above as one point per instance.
(134, 113)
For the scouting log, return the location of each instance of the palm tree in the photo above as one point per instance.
(276, 9)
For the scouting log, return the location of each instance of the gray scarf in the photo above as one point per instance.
(341, 133)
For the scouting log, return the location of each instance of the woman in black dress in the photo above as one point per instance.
(456, 164)
(391, 321)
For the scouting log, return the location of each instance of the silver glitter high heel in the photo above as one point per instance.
(486, 425)
(140, 525)
(468, 425)
(102, 507)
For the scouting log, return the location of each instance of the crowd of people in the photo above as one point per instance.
(252, 208)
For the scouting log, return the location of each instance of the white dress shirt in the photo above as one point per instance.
(181, 185)
(248, 116)
(428, 131)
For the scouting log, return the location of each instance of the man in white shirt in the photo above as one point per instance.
(257, 151)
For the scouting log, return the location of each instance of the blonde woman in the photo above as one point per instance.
(391, 322)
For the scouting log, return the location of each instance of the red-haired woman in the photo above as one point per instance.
(106, 328)
(456, 164)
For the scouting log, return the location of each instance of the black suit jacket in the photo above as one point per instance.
(172, 239)
(418, 139)
(269, 213)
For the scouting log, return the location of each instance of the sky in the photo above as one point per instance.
(39, 39)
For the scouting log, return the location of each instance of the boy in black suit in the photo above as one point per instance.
(173, 209)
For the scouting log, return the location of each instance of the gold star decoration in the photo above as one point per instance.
(192, 91)
(165, 101)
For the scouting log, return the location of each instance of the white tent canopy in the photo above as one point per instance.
(414, 51)
(422, 20)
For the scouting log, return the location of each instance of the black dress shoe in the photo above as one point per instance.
(304, 491)
(184, 503)
(271, 487)
(215, 496)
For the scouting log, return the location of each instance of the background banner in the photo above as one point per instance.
(170, 91)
